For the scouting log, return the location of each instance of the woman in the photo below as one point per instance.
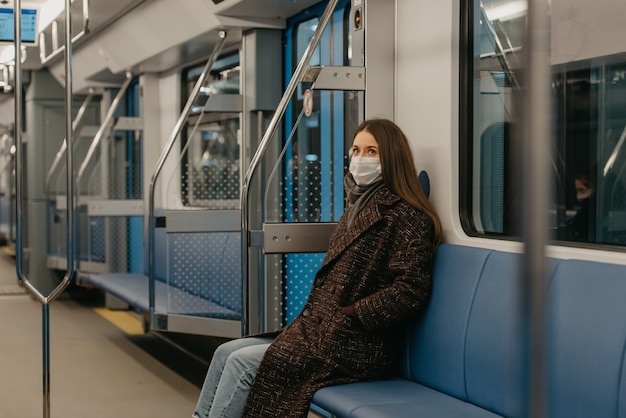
(582, 226)
(376, 275)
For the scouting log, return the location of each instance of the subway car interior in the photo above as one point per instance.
(171, 172)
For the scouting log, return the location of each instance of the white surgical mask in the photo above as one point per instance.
(583, 194)
(365, 170)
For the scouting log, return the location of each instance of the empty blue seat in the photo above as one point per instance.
(465, 356)
(196, 274)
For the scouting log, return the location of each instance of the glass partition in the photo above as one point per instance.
(210, 162)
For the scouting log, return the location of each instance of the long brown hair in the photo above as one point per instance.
(398, 167)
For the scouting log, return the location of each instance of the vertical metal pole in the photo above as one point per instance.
(19, 178)
(45, 357)
(535, 192)
(19, 263)
(69, 135)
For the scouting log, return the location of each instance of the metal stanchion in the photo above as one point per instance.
(535, 174)
(19, 192)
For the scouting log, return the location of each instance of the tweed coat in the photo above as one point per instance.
(382, 266)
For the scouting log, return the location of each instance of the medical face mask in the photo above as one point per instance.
(582, 191)
(365, 170)
(583, 194)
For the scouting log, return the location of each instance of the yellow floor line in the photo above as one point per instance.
(124, 320)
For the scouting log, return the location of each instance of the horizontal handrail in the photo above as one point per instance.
(297, 237)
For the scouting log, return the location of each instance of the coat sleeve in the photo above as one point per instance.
(410, 267)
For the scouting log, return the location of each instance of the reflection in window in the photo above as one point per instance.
(210, 154)
(223, 79)
(213, 165)
(589, 125)
(592, 126)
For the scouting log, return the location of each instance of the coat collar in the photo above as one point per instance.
(370, 214)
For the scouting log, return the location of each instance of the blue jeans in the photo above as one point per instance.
(228, 380)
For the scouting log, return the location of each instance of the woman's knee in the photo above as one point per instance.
(247, 358)
(223, 351)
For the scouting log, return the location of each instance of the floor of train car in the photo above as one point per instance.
(101, 365)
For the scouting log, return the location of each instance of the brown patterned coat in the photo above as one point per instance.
(382, 265)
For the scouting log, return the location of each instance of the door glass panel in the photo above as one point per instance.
(316, 155)
(213, 165)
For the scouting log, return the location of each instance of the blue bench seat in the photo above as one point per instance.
(464, 357)
(394, 398)
(134, 290)
(196, 274)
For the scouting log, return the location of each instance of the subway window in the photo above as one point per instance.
(588, 92)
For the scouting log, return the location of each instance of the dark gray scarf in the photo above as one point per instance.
(357, 196)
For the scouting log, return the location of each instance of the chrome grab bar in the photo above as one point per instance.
(44, 300)
(161, 162)
(61, 152)
(42, 37)
(298, 75)
(105, 124)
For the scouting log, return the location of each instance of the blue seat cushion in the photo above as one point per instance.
(435, 348)
(397, 398)
(134, 290)
(586, 356)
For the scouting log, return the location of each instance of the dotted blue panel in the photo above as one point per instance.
(301, 269)
(96, 239)
(206, 265)
(135, 244)
(107, 239)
